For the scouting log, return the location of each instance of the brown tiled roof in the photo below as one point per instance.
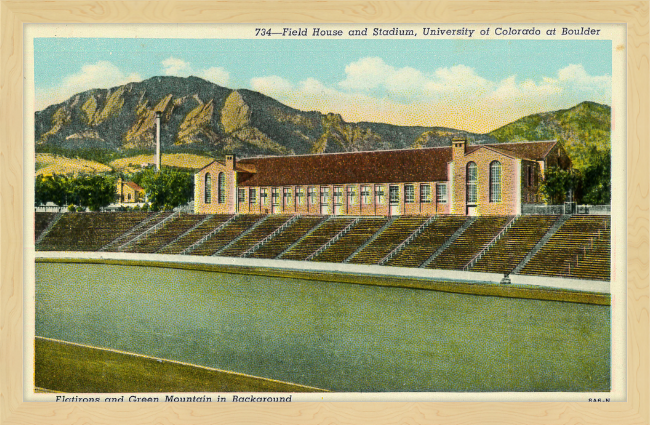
(408, 165)
(536, 151)
(134, 186)
(394, 166)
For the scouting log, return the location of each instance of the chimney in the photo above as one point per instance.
(231, 161)
(458, 147)
(158, 113)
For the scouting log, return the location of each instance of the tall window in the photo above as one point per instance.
(324, 195)
(365, 195)
(300, 195)
(275, 196)
(441, 193)
(264, 195)
(221, 181)
(472, 179)
(338, 195)
(313, 195)
(425, 193)
(286, 194)
(379, 195)
(495, 181)
(241, 195)
(252, 196)
(351, 194)
(409, 193)
(208, 188)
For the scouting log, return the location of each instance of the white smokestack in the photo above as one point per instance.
(157, 141)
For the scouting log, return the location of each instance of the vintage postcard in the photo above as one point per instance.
(280, 213)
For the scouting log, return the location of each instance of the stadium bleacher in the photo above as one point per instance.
(388, 240)
(184, 241)
(232, 230)
(580, 248)
(318, 238)
(172, 229)
(344, 247)
(287, 237)
(88, 231)
(469, 243)
(428, 242)
(517, 241)
(569, 246)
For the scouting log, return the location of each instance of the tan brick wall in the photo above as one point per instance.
(214, 207)
(509, 204)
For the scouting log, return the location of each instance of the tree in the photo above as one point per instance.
(598, 178)
(53, 188)
(93, 192)
(557, 183)
(167, 188)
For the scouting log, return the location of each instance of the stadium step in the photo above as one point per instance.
(556, 226)
(444, 246)
(306, 235)
(371, 239)
(49, 227)
(241, 235)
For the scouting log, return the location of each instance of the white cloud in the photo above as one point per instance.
(176, 67)
(180, 68)
(455, 96)
(99, 75)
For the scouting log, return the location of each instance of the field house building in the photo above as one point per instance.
(489, 179)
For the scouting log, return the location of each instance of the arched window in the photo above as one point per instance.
(222, 188)
(495, 181)
(471, 181)
(208, 188)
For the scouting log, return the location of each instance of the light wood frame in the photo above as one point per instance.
(13, 410)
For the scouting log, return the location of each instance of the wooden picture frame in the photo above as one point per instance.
(14, 14)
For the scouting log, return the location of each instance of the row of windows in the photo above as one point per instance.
(471, 182)
(322, 195)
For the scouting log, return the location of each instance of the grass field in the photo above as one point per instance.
(73, 368)
(48, 164)
(180, 160)
(324, 334)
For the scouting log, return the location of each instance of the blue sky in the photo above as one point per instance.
(475, 85)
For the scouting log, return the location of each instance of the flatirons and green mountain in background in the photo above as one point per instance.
(199, 117)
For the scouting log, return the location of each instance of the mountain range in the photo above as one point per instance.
(201, 117)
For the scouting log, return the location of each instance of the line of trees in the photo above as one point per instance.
(166, 189)
(591, 185)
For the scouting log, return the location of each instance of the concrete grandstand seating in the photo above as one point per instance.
(170, 230)
(41, 221)
(196, 234)
(88, 231)
(235, 228)
(288, 236)
(344, 247)
(395, 234)
(582, 241)
(463, 249)
(267, 227)
(513, 246)
(423, 246)
(595, 261)
(125, 238)
(318, 238)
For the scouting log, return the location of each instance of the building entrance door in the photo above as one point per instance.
(393, 201)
